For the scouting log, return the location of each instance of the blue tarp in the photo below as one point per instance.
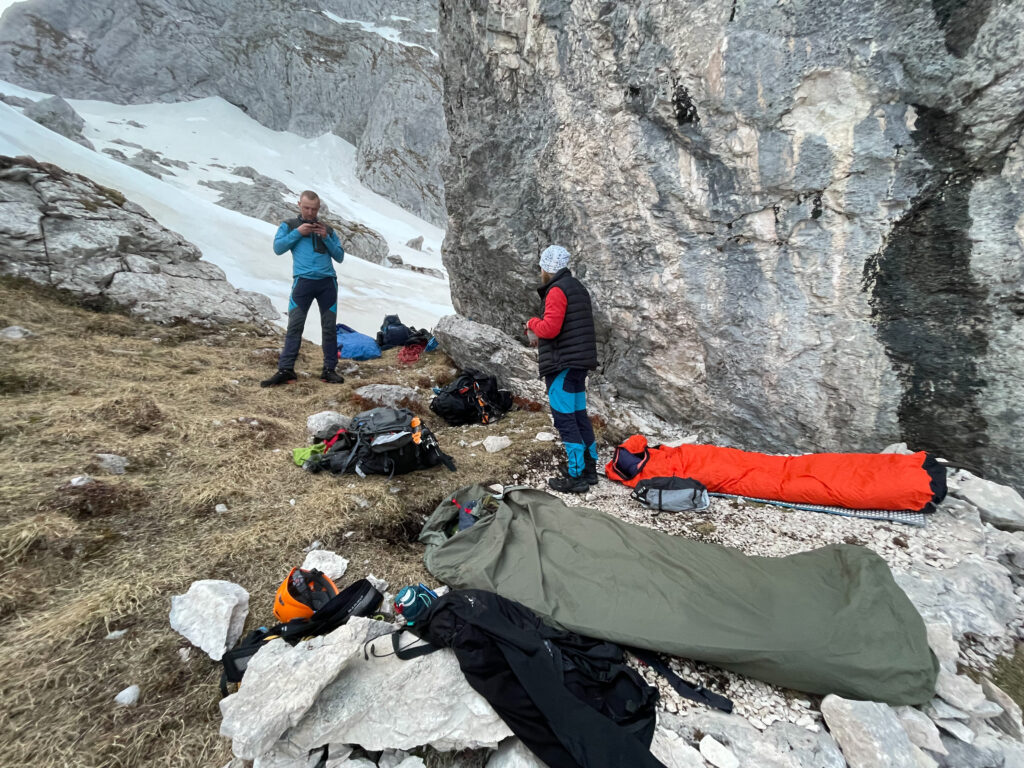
(355, 345)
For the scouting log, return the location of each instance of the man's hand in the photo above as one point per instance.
(306, 229)
(319, 229)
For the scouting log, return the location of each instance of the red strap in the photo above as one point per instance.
(333, 440)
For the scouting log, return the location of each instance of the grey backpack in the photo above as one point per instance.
(671, 494)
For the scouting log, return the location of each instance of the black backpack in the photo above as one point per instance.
(394, 333)
(473, 398)
(573, 700)
(360, 598)
(382, 441)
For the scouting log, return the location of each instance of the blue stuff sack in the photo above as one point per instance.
(354, 345)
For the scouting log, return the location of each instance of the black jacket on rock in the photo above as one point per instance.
(571, 699)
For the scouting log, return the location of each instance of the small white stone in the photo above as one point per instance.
(79, 480)
(221, 508)
(544, 437)
(379, 584)
(117, 634)
(15, 333)
(112, 463)
(128, 697)
(184, 654)
(331, 565)
(292, 502)
(717, 754)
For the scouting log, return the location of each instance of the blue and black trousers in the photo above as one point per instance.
(304, 291)
(567, 394)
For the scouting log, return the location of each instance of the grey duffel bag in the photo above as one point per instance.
(671, 494)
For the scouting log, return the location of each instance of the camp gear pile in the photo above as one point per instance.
(381, 441)
(394, 333)
(828, 621)
(306, 604)
(671, 494)
(891, 481)
(572, 700)
(472, 398)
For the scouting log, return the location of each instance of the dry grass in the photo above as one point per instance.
(184, 407)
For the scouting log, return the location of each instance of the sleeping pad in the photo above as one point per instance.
(892, 481)
(828, 621)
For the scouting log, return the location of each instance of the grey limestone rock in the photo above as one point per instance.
(112, 463)
(1010, 721)
(404, 115)
(919, 727)
(330, 66)
(324, 422)
(361, 706)
(672, 750)
(960, 754)
(59, 116)
(945, 648)
(67, 232)
(391, 395)
(765, 200)
(1000, 505)
(781, 745)
(973, 597)
(869, 733)
(282, 682)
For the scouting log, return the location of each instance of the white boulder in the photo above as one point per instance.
(211, 615)
(495, 443)
(331, 565)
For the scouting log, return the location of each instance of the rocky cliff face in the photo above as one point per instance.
(801, 224)
(62, 230)
(310, 68)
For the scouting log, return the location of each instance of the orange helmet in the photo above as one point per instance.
(302, 593)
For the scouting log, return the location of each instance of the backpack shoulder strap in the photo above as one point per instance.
(411, 650)
(696, 693)
(293, 224)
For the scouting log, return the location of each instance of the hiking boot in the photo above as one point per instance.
(568, 484)
(279, 378)
(589, 469)
(331, 376)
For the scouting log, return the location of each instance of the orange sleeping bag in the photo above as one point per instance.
(890, 481)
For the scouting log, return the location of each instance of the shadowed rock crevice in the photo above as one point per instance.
(933, 315)
(961, 20)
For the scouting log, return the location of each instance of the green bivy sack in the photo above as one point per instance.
(828, 621)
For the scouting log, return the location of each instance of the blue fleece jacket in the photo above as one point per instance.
(305, 261)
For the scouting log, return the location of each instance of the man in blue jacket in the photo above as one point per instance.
(313, 245)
